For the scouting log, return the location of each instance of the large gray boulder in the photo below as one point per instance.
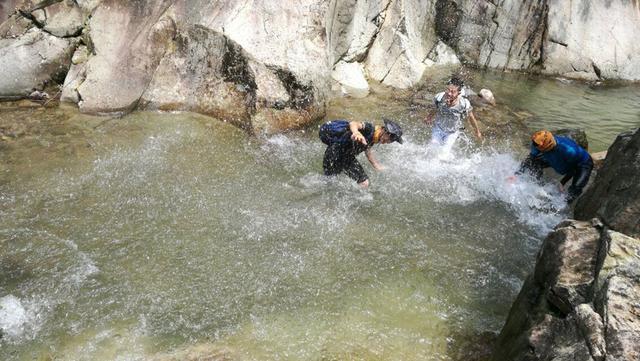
(615, 193)
(260, 65)
(33, 60)
(507, 34)
(36, 44)
(581, 301)
(128, 41)
(566, 265)
(395, 41)
(63, 19)
(618, 292)
(406, 39)
(198, 76)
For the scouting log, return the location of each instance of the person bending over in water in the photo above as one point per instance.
(563, 155)
(345, 140)
(452, 108)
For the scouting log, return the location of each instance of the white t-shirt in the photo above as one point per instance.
(451, 119)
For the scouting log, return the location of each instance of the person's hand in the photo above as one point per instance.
(358, 137)
(380, 168)
(478, 134)
(511, 179)
(430, 117)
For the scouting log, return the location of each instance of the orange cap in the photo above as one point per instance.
(543, 140)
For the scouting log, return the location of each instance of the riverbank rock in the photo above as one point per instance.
(128, 41)
(292, 48)
(206, 73)
(351, 78)
(32, 61)
(37, 42)
(615, 194)
(581, 301)
(220, 60)
(581, 43)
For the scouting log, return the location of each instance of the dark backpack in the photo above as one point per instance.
(335, 131)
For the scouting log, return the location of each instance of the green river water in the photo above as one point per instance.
(169, 236)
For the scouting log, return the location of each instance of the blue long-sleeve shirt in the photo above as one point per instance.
(565, 157)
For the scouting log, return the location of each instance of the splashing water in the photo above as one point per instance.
(168, 236)
(13, 316)
(457, 172)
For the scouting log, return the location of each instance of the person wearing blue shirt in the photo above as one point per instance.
(562, 154)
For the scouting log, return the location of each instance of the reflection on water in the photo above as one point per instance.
(603, 111)
(159, 235)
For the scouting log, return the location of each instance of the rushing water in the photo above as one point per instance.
(131, 238)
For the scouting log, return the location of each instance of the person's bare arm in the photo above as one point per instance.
(355, 127)
(374, 162)
(431, 117)
(474, 124)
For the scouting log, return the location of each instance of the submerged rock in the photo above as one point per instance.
(577, 135)
(200, 352)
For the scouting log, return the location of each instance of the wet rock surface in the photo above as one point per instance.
(615, 195)
(581, 302)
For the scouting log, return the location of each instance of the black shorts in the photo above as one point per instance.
(340, 158)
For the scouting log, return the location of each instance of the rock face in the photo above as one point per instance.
(569, 38)
(129, 40)
(615, 194)
(6, 9)
(289, 51)
(582, 43)
(581, 302)
(32, 61)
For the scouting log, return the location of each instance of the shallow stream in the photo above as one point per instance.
(164, 235)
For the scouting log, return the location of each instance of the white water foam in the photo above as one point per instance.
(458, 173)
(455, 172)
(13, 317)
(23, 319)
